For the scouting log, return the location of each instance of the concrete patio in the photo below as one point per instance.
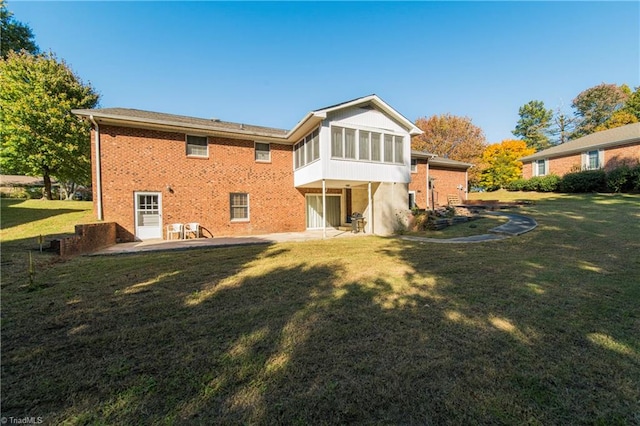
(162, 245)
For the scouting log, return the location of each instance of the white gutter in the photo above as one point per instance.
(98, 169)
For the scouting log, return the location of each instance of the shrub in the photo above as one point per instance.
(548, 183)
(516, 185)
(620, 179)
(635, 178)
(585, 181)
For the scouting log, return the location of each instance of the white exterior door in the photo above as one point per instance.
(314, 211)
(148, 211)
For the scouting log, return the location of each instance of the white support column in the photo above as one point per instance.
(324, 209)
(428, 193)
(370, 221)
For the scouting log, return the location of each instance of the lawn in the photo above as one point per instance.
(539, 329)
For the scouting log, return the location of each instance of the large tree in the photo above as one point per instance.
(500, 164)
(39, 134)
(595, 106)
(14, 35)
(534, 125)
(451, 137)
(562, 127)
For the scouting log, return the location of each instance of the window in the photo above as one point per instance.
(593, 160)
(197, 146)
(336, 142)
(363, 145)
(239, 203)
(363, 148)
(350, 144)
(307, 150)
(375, 146)
(412, 199)
(397, 149)
(414, 165)
(388, 148)
(263, 152)
(540, 168)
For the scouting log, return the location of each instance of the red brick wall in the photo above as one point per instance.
(613, 157)
(88, 238)
(625, 154)
(446, 182)
(150, 160)
(419, 184)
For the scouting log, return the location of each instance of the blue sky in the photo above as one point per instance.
(271, 63)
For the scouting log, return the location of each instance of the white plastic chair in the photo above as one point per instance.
(175, 229)
(192, 228)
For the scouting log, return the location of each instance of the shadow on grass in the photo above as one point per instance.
(532, 330)
(14, 215)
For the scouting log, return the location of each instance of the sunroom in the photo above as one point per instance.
(355, 160)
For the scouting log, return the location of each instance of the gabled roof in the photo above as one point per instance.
(603, 139)
(162, 120)
(140, 118)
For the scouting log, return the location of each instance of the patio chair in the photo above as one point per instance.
(175, 229)
(192, 228)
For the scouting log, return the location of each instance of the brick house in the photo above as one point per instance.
(434, 179)
(152, 169)
(606, 150)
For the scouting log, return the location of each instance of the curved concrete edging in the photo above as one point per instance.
(517, 225)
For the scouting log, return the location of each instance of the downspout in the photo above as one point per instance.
(427, 193)
(98, 169)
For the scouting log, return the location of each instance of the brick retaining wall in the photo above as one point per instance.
(88, 238)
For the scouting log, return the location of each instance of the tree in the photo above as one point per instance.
(594, 106)
(562, 127)
(619, 118)
(15, 35)
(39, 136)
(451, 137)
(632, 105)
(534, 124)
(500, 164)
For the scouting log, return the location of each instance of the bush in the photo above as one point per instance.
(635, 178)
(585, 181)
(620, 179)
(548, 183)
(516, 185)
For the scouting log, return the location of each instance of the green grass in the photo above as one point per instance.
(478, 226)
(539, 329)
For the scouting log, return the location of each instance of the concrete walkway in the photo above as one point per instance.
(163, 245)
(517, 225)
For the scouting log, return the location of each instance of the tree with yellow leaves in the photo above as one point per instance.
(500, 164)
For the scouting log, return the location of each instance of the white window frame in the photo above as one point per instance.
(536, 168)
(586, 159)
(206, 146)
(232, 206)
(307, 150)
(257, 151)
(412, 196)
(342, 150)
(414, 165)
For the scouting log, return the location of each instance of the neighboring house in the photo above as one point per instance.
(606, 150)
(151, 170)
(17, 185)
(434, 179)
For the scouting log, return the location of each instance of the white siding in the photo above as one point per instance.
(355, 169)
(359, 117)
